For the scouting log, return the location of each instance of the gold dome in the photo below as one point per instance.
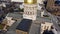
(30, 1)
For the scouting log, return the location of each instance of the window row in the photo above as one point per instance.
(45, 27)
(29, 13)
(30, 8)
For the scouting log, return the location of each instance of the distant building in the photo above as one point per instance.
(17, 0)
(5, 0)
(53, 6)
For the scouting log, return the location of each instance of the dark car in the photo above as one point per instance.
(48, 32)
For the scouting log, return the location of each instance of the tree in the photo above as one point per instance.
(21, 10)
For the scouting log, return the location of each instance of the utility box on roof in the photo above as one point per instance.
(24, 26)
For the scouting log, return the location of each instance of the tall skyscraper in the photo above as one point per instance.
(30, 9)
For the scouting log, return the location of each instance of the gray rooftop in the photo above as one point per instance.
(45, 19)
(14, 15)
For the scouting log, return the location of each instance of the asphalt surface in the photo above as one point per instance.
(35, 27)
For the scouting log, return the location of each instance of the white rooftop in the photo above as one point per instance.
(39, 1)
(17, 0)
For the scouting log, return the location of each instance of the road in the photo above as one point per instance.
(52, 20)
(55, 22)
(35, 28)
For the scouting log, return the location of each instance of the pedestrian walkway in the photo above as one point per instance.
(35, 28)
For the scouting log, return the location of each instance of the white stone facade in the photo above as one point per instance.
(45, 26)
(30, 11)
(10, 21)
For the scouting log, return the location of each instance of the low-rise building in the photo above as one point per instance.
(45, 26)
(24, 26)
